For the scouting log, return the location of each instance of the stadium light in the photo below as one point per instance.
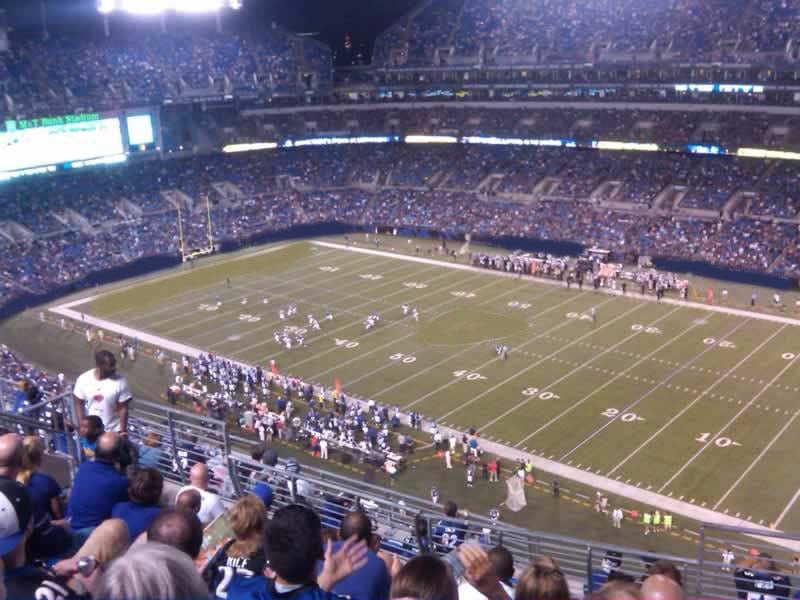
(155, 7)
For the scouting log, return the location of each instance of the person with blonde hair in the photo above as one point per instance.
(542, 580)
(48, 539)
(149, 571)
(239, 565)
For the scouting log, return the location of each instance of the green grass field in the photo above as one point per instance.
(695, 405)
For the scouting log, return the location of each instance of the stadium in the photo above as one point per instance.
(429, 299)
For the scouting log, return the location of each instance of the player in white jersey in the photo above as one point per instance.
(265, 300)
(310, 320)
(405, 309)
(277, 337)
(329, 316)
(415, 314)
(281, 315)
(593, 314)
(244, 300)
(300, 340)
(315, 325)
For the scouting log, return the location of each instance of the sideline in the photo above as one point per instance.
(599, 482)
(461, 267)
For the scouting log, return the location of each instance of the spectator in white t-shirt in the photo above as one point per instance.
(210, 506)
(104, 393)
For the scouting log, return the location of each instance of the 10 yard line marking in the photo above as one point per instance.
(730, 422)
(697, 399)
(528, 368)
(658, 385)
(602, 387)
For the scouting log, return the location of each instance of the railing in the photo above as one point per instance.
(173, 440)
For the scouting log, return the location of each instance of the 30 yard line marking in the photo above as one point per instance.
(537, 363)
(730, 422)
(570, 373)
(655, 387)
(695, 401)
(569, 409)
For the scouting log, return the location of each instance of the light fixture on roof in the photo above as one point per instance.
(155, 7)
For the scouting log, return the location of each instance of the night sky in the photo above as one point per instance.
(331, 20)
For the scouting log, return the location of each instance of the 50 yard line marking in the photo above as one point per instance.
(391, 342)
(448, 358)
(658, 385)
(697, 399)
(528, 368)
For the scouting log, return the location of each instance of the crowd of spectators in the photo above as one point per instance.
(577, 32)
(454, 189)
(65, 73)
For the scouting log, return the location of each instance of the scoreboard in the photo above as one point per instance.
(48, 144)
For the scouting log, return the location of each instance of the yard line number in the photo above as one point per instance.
(519, 305)
(533, 393)
(469, 376)
(627, 417)
(249, 318)
(720, 442)
(328, 269)
(460, 294)
(646, 329)
(582, 317)
(406, 359)
(371, 277)
(207, 307)
(349, 344)
(416, 286)
(722, 344)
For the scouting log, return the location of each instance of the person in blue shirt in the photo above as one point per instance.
(97, 487)
(294, 545)
(372, 581)
(144, 490)
(48, 540)
(449, 533)
(91, 428)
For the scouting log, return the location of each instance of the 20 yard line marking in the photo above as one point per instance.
(657, 385)
(697, 399)
(537, 363)
(572, 372)
(569, 409)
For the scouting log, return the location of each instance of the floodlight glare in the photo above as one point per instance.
(155, 7)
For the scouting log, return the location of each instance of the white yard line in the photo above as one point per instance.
(787, 508)
(731, 421)
(608, 382)
(697, 399)
(571, 372)
(327, 333)
(757, 460)
(689, 304)
(529, 367)
(323, 289)
(418, 373)
(663, 381)
(236, 299)
(599, 482)
(451, 356)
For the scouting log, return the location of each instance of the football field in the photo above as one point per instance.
(668, 398)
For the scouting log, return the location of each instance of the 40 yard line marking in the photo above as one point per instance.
(537, 363)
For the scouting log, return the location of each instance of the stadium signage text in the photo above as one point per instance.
(51, 121)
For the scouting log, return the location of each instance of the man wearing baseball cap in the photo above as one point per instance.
(16, 525)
